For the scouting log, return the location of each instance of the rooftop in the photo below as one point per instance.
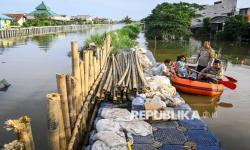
(5, 17)
(43, 9)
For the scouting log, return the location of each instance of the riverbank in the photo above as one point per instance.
(32, 31)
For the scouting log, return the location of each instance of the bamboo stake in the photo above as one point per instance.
(53, 121)
(70, 103)
(91, 70)
(74, 100)
(76, 73)
(82, 81)
(86, 71)
(62, 90)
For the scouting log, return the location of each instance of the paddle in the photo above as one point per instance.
(227, 84)
(225, 105)
(231, 79)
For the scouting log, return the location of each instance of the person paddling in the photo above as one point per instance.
(212, 74)
(205, 57)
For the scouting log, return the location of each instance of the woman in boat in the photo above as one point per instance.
(205, 57)
(181, 66)
(212, 74)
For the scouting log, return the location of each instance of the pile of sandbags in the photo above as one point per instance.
(109, 129)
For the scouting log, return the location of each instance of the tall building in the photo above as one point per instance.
(220, 8)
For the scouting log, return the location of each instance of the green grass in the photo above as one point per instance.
(121, 39)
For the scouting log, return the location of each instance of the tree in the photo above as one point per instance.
(127, 20)
(235, 27)
(170, 21)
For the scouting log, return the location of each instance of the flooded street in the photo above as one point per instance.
(228, 117)
(29, 64)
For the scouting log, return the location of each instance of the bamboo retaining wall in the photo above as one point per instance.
(40, 30)
(71, 109)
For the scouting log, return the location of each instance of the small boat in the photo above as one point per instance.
(197, 87)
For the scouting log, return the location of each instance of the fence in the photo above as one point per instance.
(40, 30)
(70, 110)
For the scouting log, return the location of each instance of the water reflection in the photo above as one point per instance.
(206, 106)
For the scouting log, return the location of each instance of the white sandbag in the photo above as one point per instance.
(107, 125)
(99, 145)
(117, 114)
(112, 139)
(137, 127)
(161, 80)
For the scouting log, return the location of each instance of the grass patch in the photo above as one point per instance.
(121, 39)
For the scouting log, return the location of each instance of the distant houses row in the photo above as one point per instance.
(7, 19)
(218, 12)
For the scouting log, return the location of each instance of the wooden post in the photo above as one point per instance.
(91, 72)
(82, 81)
(76, 73)
(72, 113)
(62, 90)
(86, 71)
(53, 121)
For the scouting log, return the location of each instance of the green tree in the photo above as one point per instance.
(235, 27)
(170, 21)
(127, 20)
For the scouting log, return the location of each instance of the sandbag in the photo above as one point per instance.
(117, 114)
(99, 145)
(107, 125)
(112, 139)
(137, 127)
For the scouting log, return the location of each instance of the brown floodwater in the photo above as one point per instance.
(229, 115)
(30, 64)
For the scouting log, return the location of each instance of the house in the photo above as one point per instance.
(19, 17)
(220, 8)
(5, 22)
(217, 24)
(245, 11)
(44, 9)
(86, 18)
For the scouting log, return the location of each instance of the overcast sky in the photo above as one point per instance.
(115, 9)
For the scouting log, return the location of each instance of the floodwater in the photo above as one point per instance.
(30, 64)
(228, 116)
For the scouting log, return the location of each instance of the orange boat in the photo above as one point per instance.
(197, 87)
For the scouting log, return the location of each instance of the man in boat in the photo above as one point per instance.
(163, 69)
(212, 74)
(205, 57)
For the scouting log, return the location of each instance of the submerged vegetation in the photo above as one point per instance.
(123, 38)
(170, 21)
